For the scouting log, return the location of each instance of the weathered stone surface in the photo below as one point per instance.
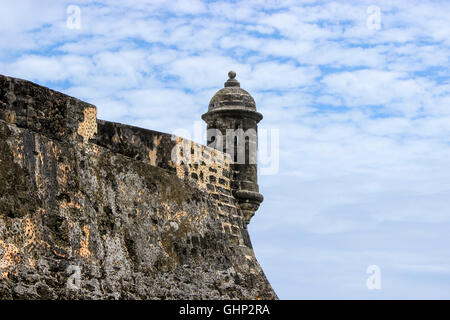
(84, 198)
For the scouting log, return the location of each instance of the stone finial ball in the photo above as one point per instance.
(232, 74)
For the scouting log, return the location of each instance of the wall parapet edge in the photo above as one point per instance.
(206, 167)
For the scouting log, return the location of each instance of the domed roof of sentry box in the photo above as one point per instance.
(232, 97)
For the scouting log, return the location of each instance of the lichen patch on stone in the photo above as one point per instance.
(88, 127)
(10, 258)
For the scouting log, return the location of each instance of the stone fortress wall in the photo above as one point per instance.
(93, 209)
(210, 170)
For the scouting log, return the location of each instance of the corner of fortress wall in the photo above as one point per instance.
(206, 167)
(59, 142)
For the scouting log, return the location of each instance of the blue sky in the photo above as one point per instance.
(363, 115)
